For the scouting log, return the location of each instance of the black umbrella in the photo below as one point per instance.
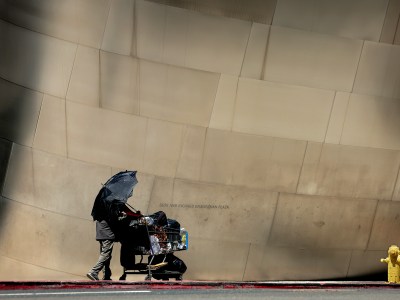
(120, 186)
(117, 189)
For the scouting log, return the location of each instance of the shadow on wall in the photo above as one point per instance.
(5, 152)
(259, 11)
(379, 276)
(19, 105)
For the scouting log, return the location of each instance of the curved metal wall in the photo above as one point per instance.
(269, 129)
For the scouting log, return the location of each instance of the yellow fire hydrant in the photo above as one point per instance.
(393, 261)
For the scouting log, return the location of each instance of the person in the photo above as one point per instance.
(105, 213)
(106, 237)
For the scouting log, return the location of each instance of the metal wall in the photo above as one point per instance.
(269, 129)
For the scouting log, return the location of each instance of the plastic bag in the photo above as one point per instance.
(155, 245)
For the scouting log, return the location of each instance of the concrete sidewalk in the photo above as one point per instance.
(155, 284)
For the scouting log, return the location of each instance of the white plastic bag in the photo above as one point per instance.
(155, 245)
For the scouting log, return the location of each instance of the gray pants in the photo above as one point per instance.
(106, 247)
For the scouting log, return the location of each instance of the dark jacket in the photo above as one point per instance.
(107, 212)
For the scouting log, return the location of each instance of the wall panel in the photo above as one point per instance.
(311, 59)
(347, 171)
(356, 19)
(36, 61)
(270, 109)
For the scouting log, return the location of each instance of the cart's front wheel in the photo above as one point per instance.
(147, 278)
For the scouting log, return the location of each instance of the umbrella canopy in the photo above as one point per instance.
(117, 189)
(120, 186)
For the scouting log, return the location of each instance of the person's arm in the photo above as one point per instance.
(130, 213)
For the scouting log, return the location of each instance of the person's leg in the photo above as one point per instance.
(106, 247)
(107, 271)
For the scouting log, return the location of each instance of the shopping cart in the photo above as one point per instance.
(156, 238)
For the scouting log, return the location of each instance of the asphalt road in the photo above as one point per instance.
(193, 294)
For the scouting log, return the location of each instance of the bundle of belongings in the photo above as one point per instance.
(156, 236)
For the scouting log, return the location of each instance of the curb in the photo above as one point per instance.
(46, 285)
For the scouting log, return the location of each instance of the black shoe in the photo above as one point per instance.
(92, 276)
(107, 275)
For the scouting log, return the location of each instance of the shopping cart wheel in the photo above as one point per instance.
(147, 278)
(179, 278)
